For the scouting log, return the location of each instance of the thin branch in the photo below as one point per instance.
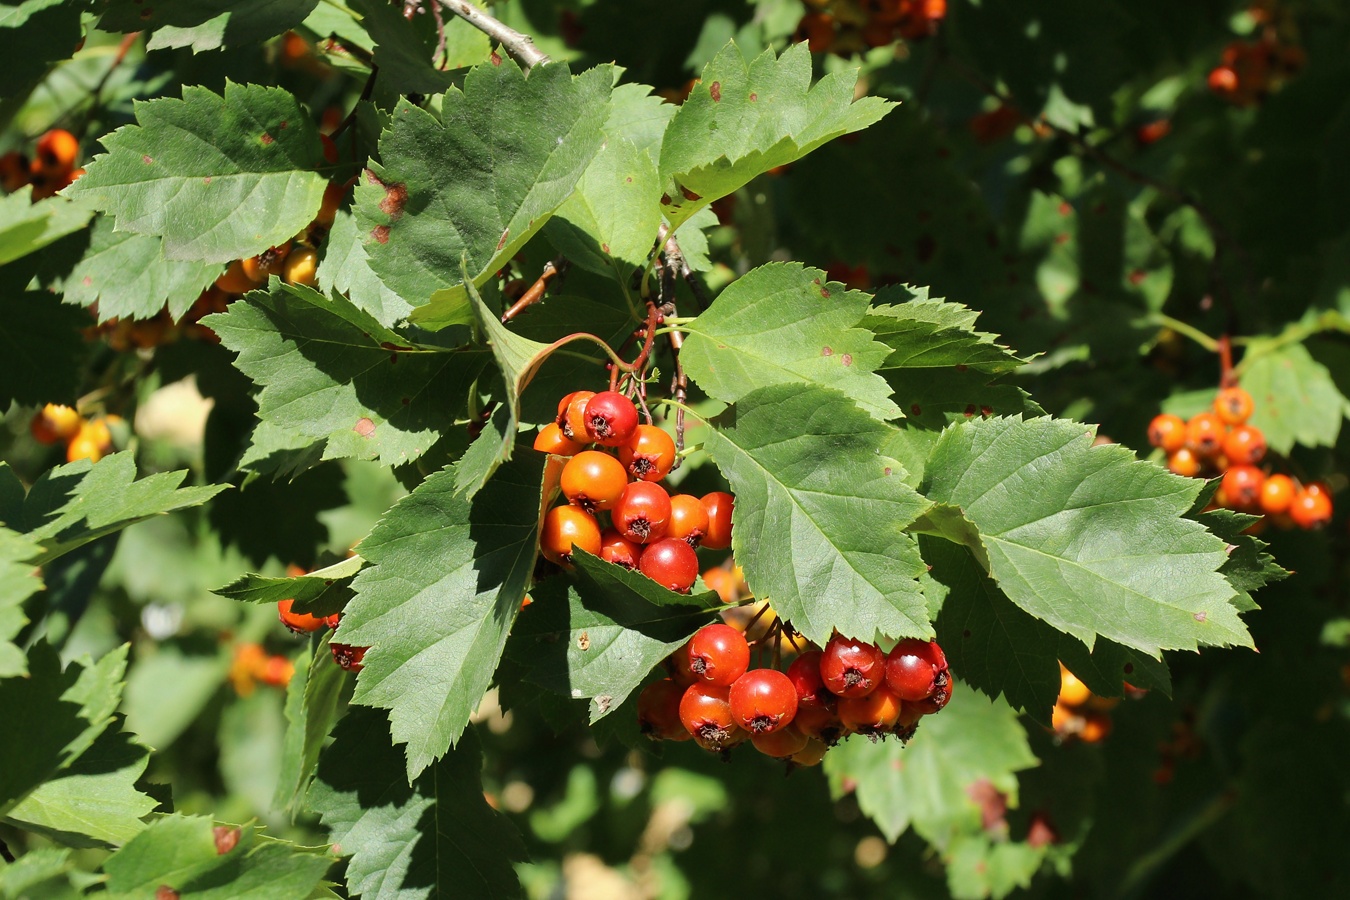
(519, 46)
(97, 93)
(676, 260)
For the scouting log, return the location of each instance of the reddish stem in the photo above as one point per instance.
(1226, 378)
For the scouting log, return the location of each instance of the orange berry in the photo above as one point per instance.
(1242, 487)
(565, 529)
(1064, 720)
(56, 151)
(235, 280)
(572, 418)
(1184, 462)
(269, 262)
(1311, 509)
(55, 422)
(1072, 691)
(1277, 494)
(1223, 80)
(1245, 446)
(1234, 405)
(1095, 728)
(551, 439)
(1205, 434)
(300, 623)
(1168, 432)
(301, 266)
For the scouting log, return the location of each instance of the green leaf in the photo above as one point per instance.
(322, 592)
(129, 277)
(95, 798)
(28, 876)
(169, 690)
(1065, 527)
(601, 639)
(742, 119)
(1249, 567)
(820, 512)
(71, 505)
(40, 348)
(19, 580)
(38, 32)
(26, 227)
(206, 24)
(433, 837)
(180, 853)
(935, 334)
(472, 183)
(333, 381)
(609, 224)
(345, 268)
(925, 783)
(448, 576)
(405, 47)
(1297, 401)
(312, 700)
(782, 323)
(979, 867)
(218, 178)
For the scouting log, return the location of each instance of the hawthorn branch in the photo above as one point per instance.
(519, 47)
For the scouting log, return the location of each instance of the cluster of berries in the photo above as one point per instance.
(51, 168)
(1080, 714)
(845, 27)
(252, 665)
(90, 439)
(347, 656)
(1220, 442)
(649, 529)
(715, 699)
(1250, 70)
(295, 262)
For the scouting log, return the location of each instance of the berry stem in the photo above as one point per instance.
(1226, 378)
(1184, 329)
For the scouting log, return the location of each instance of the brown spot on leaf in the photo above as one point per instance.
(283, 125)
(604, 247)
(502, 243)
(364, 427)
(827, 351)
(753, 96)
(915, 409)
(227, 838)
(583, 642)
(1201, 616)
(887, 470)
(824, 291)
(847, 359)
(164, 892)
(88, 281)
(147, 160)
(665, 199)
(405, 400)
(380, 233)
(496, 58)
(206, 180)
(689, 195)
(1129, 667)
(603, 702)
(715, 89)
(629, 179)
(266, 138)
(961, 367)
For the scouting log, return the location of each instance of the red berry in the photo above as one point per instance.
(300, 623)
(852, 668)
(705, 712)
(874, 714)
(718, 654)
(649, 453)
(763, 700)
(659, 711)
(688, 519)
(1242, 486)
(804, 673)
(566, 528)
(1168, 432)
(671, 563)
(719, 504)
(348, 656)
(593, 480)
(611, 419)
(1245, 446)
(912, 668)
(618, 549)
(572, 415)
(642, 512)
(1234, 405)
(1311, 507)
(1205, 434)
(780, 744)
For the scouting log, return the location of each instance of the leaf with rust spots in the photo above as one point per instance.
(477, 185)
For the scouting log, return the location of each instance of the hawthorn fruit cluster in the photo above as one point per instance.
(51, 168)
(845, 27)
(90, 438)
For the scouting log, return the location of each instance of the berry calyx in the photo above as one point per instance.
(641, 511)
(300, 623)
(1234, 405)
(873, 715)
(1205, 434)
(718, 654)
(705, 712)
(565, 529)
(1245, 446)
(617, 549)
(658, 711)
(852, 668)
(719, 505)
(611, 419)
(934, 702)
(818, 722)
(649, 453)
(593, 480)
(551, 439)
(671, 563)
(763, 700)
(1168, 432)
(269, 262)
(688, 519)
(912, 668)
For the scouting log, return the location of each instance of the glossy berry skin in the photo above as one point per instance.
(551, 439)
(1185, 462)
(780, 744)
(705, 712)
(347, 656)
(938, 699)
(804, 673)
(763, 700)
(718, 654)
(593, 480)
(1072, 691)
(611, 419)
(852, 668)
(641, 512)
(572, 418)
(617, 549)
(300, 623)
(565, 529)
(1277, 494)
(1311, 508)
(1245, 446)
(1242, 486)
(876, 713)
(649, 453)
(1168, 432)
(912, 668)
(301, 266)
(658, 711)
(719, 505)
(671, 563)
(688, 519)
(1205, 434)
(1234, 406)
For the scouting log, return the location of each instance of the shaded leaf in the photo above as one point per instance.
(1297, 401)
(40, 348)
(206, 24)
(26, 227)
(129, 277)
(935, 334)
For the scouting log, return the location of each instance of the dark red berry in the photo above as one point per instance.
(348, 656)
(611, 419)
(671, 563)
(804, 673)
(912, 668)
(642, 512)
(852, 668)
(763, 700)
(718, 654)
(659, 711)
(705, 712)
